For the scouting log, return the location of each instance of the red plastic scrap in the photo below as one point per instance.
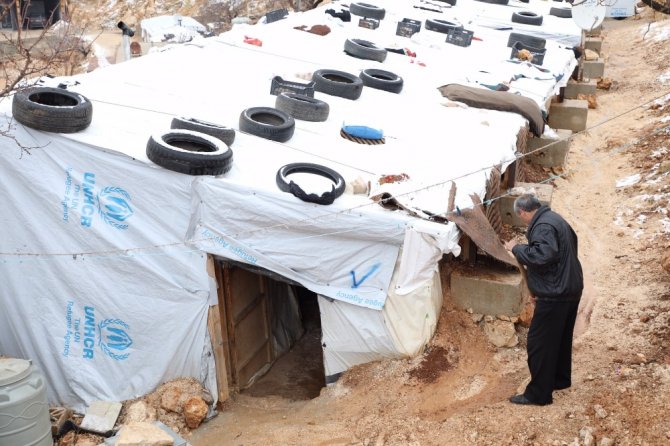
(253, 41)
(410, 53)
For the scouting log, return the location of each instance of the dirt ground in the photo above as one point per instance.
(456, 392)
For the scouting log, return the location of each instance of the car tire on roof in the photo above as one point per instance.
(527, 18)
(382, 80)
(495, 2)
(338, 83)
(364, 49)
(442, 26)
(190, 152)
(52, 109)
(225, 134)
(268, 123)
(535, 42)
(302, 107)
(564, 13)
(367, 10)
(289, 186)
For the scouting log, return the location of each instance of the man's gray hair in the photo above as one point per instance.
(526, 202)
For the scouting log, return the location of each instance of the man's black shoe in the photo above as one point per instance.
(521, 399)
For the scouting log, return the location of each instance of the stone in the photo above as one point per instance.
(477, 317)
(487, 290)
(548, 151)
(101, 416)
(665, 261)
(590, 99)
(171, 400)
(605, 441)
(589, 54)
(140, 411)
(575, 88)
(593, 43)
(600, 411)
(593, 68)
(143, 434)
(86, 441)
(195, 410)
(586, 434)
(604, 84)
(570, 114)
(501, 333)
(543, 192)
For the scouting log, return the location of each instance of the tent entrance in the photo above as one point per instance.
(271, 333)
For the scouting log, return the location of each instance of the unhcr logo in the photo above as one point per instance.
(111, 203)
(113, 337)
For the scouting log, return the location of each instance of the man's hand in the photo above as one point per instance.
(510, 244)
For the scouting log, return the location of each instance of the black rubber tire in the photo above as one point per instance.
(225, 134)
(302, 107)
(338, 83)
(190, 152)
(268, 123)
(535, 42)
(382, 80)
(495, 2)
(658, 5)
(52, 109)
(364, 49)
(289, 186)
(564, 13)
(441, 26)
(527, 18)
(367, 10)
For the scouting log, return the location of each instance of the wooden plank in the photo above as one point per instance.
(228, 299)
(244, 312)
(214, 327)
(468, 249)
(218, 272)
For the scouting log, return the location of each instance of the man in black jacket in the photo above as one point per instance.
(555, 280)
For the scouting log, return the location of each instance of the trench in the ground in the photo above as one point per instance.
(299, 373)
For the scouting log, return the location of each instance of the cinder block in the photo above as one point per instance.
(556, 149)
(509, 217)
(487, 290)
(593, 68)
(570, 114)
(593, 43)
(575, 88)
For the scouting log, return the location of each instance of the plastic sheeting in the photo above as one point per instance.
(356, 252)
(103, 264)
(354, 335)
(127, 300)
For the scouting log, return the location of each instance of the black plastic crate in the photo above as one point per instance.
(279, 85)
(368, 23)
(276, 15)
(538, 53)
(460, 37)
(408, 27)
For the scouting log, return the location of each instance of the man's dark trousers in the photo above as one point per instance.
(550, 347)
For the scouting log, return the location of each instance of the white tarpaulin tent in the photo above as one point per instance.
(103, 253)
(171, 28)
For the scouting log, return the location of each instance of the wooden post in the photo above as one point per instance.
(218, 335)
